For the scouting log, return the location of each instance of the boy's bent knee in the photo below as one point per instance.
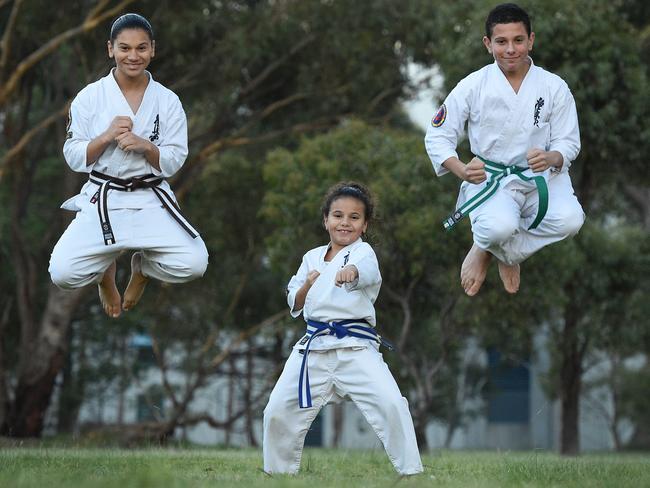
(572, 222)
(493, 231)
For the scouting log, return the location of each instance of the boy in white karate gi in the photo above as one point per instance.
(523, 130)
(130, 133)
(335, 289)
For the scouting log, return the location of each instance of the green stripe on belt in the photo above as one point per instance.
(497, 172)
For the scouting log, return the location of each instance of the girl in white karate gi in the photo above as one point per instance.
(129, 133)
(523, 130)
(335, 288)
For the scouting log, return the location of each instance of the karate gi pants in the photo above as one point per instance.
(500, 225)
(358, 373)
(168, 252)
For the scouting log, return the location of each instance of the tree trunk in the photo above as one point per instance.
(421, 433)
(252, 441)
(123, 384)
(570, 387)
(69, 398)
(615, 386)
(338, 413)
(641, 438)
(451, 430)
(4, 390)
(230, 408)
(39, 370)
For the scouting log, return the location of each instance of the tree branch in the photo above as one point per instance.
(223, 355)
(231, 306)
(97, 8)
(259, 79)
(266, 112)
(382, 96)
(5, 43)
(180, 407)
(162, 364)
(641, 198)
(93, 19)
(180, 188)
(223, 424)
(29, 135)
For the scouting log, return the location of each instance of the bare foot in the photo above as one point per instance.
(108, 293)
(510, 276)
(136, 285)
(474, 269)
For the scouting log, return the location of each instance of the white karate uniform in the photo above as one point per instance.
(138, 219)
(502, 126)
(349, 367)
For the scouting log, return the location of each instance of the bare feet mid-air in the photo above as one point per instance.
(510, 276)
(474, 269)
(136, 285)
(108, 293)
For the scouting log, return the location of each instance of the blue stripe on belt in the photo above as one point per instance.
(352, 327)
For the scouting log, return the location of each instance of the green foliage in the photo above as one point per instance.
(411, 202)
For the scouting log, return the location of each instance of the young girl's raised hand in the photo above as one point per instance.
(346, 275)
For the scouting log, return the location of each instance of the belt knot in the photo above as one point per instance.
(337, 329)
(497, 172)
(151, 181)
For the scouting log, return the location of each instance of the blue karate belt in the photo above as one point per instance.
(342, 328)
(496, 172)
(151, 181)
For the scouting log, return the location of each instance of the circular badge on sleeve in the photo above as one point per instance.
(440, 117)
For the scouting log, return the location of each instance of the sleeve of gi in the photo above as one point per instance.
(78, 133)
(173, 146)
(447, 127)
(295, 283)
(565, 132)
(367, 266)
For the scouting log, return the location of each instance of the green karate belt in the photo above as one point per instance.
(497, 172)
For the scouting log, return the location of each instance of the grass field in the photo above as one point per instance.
(119, 468)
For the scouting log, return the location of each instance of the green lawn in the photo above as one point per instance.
(119, 468)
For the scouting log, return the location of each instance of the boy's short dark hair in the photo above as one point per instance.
(506, 13)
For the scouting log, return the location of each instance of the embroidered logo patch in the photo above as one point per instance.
(440, 117)
(68, 134)
(538, 107)
(156, 129)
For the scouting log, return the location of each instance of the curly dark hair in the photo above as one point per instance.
(349, 189)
